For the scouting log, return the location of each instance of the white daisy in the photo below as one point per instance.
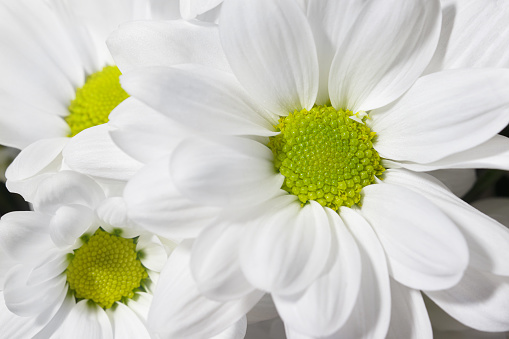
(341, 236)
(76, 267)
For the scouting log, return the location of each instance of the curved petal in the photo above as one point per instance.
(202, 98)
(215, 261)
(92, 152)
(67, 187)
(479, 301)
(270, 47)
(112, 213)
(141, 304)
(386, 50)
(166, 43)
(57, 318)
(192, 8)
(69, 223)
(288, 248)
(328, 302)
(190, 315)
(154, 203)
(125, 323)
(487, 239)
(453, 110)
(55, 263)
(153, 255)
(409, 317)
(14, 326)
(236, 331)
(238, 171)
(424, 248)
(87, 319)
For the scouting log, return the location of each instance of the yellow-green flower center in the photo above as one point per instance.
(95, 100)
(105, 269)
(325, 156)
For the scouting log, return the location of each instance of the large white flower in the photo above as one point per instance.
(314, 119)
(76, 267)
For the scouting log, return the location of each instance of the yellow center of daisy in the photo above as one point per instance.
(105, 269)
(325, 156)
(95, 100)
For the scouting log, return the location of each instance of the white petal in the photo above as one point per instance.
(474, 34)
(288, 248)
(57, 319)
(409, 317)
(371, 315)
(69, 223)
(479, 301)
(155, 204)
(113, 214)
(179, 311)
(92, 152)
(385, 52)
(458, 181)
(153, 253)
(165, 10)
(425, 250)
(144, 133)
(270, 47)
(452, 110)
(87, 319)
(486, 238)
(24, 235)
(67, 187)
(40, 156)
(238, 171)
(215, 261)
(14, 326)
(125, 323)
(202, 98)
(166, 43)
(140, 304)
(191, 8)
(54, 263)
(236, 331)
(330, 22)
(493, 153)
(327, 303)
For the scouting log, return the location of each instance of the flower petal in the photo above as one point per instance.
(202, 98)
(112, 213)
(453, 110)
(487, 239)
(14, 326)
(190, 315)
(458, 181)
(236, 331)
(288, 248)
(55, 263)
(270, 47)
(166, 43)
(57, 318)
(125, 323)
(238, 171)
(424, 248)
(409, 317)
(87, 319)
(153, 253)
(386, 50)
(479, 301)
(155, 204)
(328, 302)
(92, 152)
(192, 8)
(69, 223)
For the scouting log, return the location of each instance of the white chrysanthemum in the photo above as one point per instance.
(294, 125)
(76, 267)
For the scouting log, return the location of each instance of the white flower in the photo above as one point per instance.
(76, 267)
(356, 273)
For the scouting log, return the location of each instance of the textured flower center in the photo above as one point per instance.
(95, 100)
(325, 156)
(105, 269)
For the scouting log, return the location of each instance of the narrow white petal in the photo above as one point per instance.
(92, 152)
(112, 213)
(153, 253)
(69, 223)
(180, 311)
(479, 301)
(452, 110)
(202, 98)
(140, 304)
(328, 302)
(87, 320)
(409, 317)
(487, 239)
(238, 171)
(386, 50)
(270, 47)
(424, 248)
(288, 248)
(54, 263)
(125, 323)
(166, 43)
(154, 203)
(58, 318)
(14, 326)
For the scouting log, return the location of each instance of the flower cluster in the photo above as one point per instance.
(232, 169)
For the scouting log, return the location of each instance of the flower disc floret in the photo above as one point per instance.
(325, 156)
(105, 269)
(95, 100)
